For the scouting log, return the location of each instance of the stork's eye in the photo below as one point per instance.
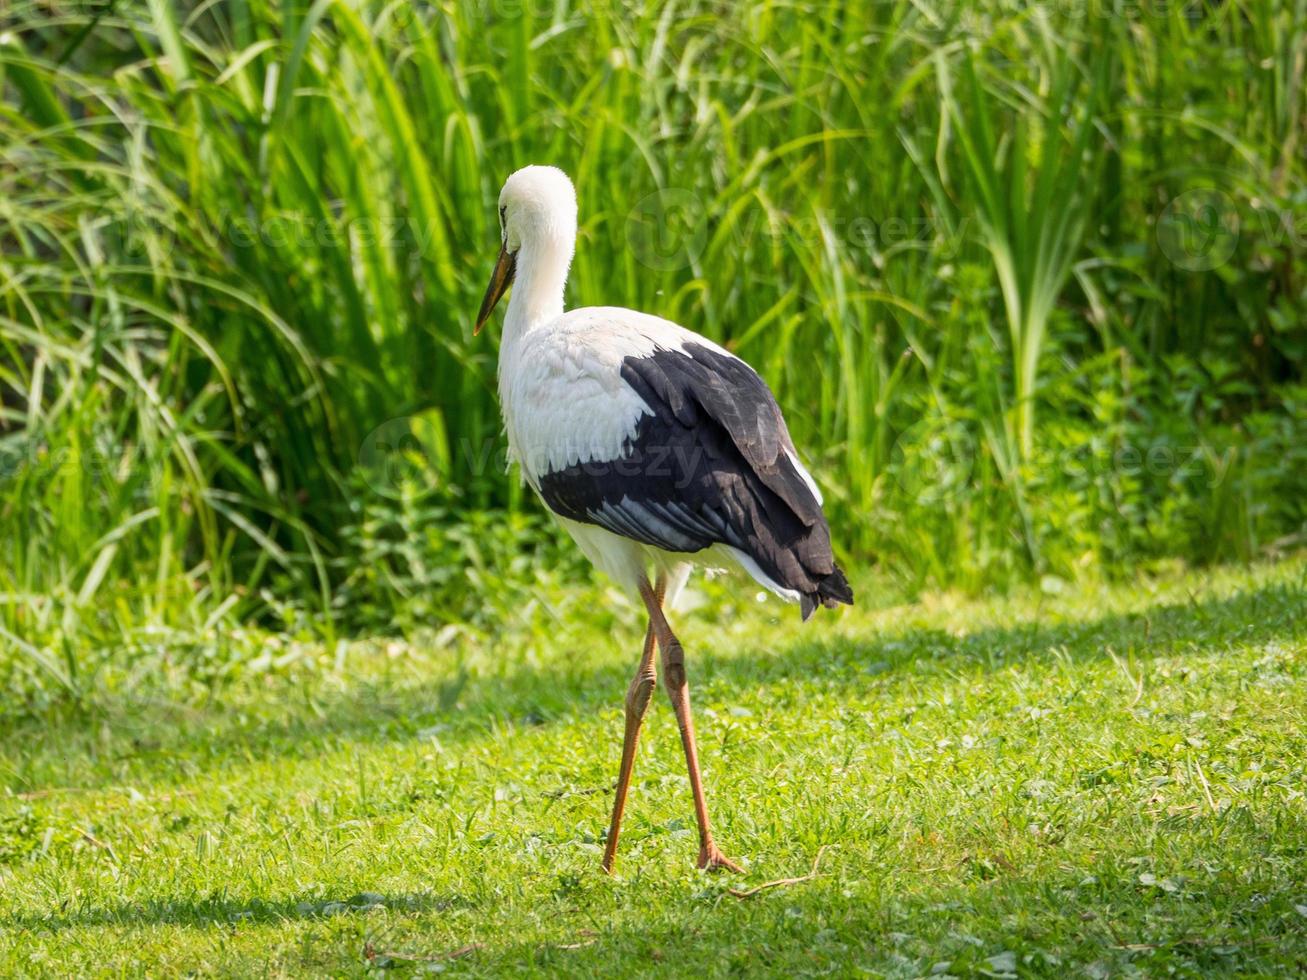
(503, 216)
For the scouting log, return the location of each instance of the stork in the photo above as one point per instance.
(656, 449)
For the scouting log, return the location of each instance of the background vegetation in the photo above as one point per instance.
(1028, 278)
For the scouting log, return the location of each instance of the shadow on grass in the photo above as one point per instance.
(226, 911)
(1228, 910)
(460, 708)
(1036, 926)
(1091, 913)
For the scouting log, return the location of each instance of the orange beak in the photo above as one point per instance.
(500, 280)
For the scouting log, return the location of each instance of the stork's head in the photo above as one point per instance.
(537, 214)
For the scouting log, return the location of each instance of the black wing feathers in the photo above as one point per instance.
(702, 385)
(712, 463)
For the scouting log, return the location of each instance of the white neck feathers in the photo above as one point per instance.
(542, 264)
(538, 205)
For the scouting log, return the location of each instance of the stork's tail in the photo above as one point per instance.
(830, 592)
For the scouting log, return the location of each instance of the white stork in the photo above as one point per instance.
(656, 449)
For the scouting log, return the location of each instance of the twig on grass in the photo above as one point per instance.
(588, 938)
(1197, 941)
(454, 954)
(107, 848)
(750, 892)
(372, 954)
(1136, 683)
(1207, 790)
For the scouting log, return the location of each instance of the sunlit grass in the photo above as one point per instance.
(1092, 783)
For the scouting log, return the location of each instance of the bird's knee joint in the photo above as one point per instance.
(674, 655)
(675, 673)
(640, 693)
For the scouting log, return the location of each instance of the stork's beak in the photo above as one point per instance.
(500, 280)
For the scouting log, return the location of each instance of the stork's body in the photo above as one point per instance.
(654, 447)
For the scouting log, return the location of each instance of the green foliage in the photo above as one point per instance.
(965, 245)
(399, 578)
(1097, 782)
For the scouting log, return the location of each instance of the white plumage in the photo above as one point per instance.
(560, 385)
(655, 448)
(561, 388)
(565, 403)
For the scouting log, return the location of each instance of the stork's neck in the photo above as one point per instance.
(537, 297)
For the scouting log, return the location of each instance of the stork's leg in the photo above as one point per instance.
(638, 696)
(678, 689)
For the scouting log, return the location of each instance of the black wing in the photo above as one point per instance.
(713, 463)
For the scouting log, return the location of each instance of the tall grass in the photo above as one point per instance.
(241, 239)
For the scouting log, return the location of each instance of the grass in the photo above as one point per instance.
(292, 680)
(1099, 782)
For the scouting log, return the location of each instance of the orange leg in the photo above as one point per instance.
(638, 696)
(678, 688)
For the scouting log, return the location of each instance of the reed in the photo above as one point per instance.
(239, 237)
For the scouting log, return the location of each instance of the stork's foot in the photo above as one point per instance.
(711, 859)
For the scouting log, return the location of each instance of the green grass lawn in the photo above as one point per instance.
(1103, 783)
